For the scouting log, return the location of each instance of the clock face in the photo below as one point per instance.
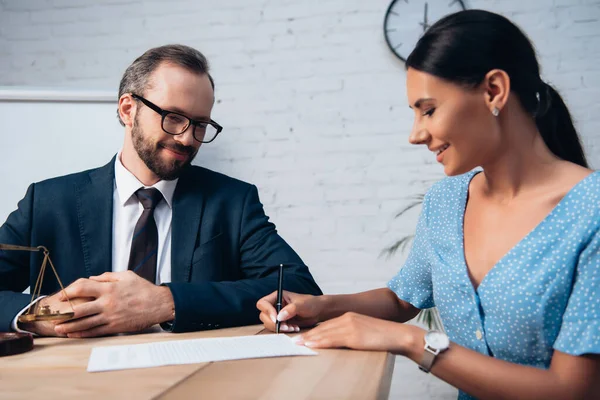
(406, 20)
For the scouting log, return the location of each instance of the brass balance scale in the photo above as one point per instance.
(15, 343)
(44, 313)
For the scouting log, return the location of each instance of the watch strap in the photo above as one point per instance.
(428, 358)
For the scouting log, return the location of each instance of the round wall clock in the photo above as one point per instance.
(406, 20)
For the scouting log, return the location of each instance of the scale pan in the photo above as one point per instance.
(46, 317)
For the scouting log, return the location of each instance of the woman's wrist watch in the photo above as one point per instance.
(435, 343)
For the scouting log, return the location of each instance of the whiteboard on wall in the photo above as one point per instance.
(48, 133)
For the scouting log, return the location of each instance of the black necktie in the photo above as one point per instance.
(144, 245)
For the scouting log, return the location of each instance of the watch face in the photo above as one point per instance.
(406, 20)
(437, 340)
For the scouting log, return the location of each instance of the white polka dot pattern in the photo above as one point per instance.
(544, 294)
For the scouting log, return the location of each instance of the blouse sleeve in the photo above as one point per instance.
(413, 282)
(580, 330)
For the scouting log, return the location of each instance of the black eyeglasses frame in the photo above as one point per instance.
(163, 113)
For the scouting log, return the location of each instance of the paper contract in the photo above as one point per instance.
(192, 351)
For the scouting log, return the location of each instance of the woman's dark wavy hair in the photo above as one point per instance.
(463, 47)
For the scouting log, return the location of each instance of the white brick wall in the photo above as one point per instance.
(313, 103)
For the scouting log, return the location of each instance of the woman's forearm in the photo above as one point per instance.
(378, 303)
(486, 377)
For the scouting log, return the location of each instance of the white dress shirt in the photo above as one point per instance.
(127, 209)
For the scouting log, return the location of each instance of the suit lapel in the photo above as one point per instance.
(188, 203)
(94, 209)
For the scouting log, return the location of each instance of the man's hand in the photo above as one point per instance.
(123, 302)
(46, 328)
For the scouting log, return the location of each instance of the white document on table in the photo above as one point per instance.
(192, 351)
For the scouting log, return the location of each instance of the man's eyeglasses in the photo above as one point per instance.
(175, 123)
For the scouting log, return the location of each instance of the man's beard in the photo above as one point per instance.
(149, 153)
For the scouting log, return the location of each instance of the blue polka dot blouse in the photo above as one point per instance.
(543, 295)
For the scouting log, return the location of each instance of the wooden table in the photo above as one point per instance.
(56, 369)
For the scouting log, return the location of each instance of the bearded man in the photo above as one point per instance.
(148, 239)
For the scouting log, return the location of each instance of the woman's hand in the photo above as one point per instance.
(360, 332)
(299, 311)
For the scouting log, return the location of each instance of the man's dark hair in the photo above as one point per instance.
(136, 76)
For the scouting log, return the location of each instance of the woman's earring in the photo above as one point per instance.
(495, 111)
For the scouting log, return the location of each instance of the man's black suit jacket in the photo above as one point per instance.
(225, 253)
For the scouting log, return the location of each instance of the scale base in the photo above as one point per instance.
(15, 343)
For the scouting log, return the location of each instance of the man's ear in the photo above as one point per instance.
(496, 85)
(127, 109)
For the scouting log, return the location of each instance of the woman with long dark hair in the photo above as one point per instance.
(509, 253)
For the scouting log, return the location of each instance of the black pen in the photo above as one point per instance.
(279, 296)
